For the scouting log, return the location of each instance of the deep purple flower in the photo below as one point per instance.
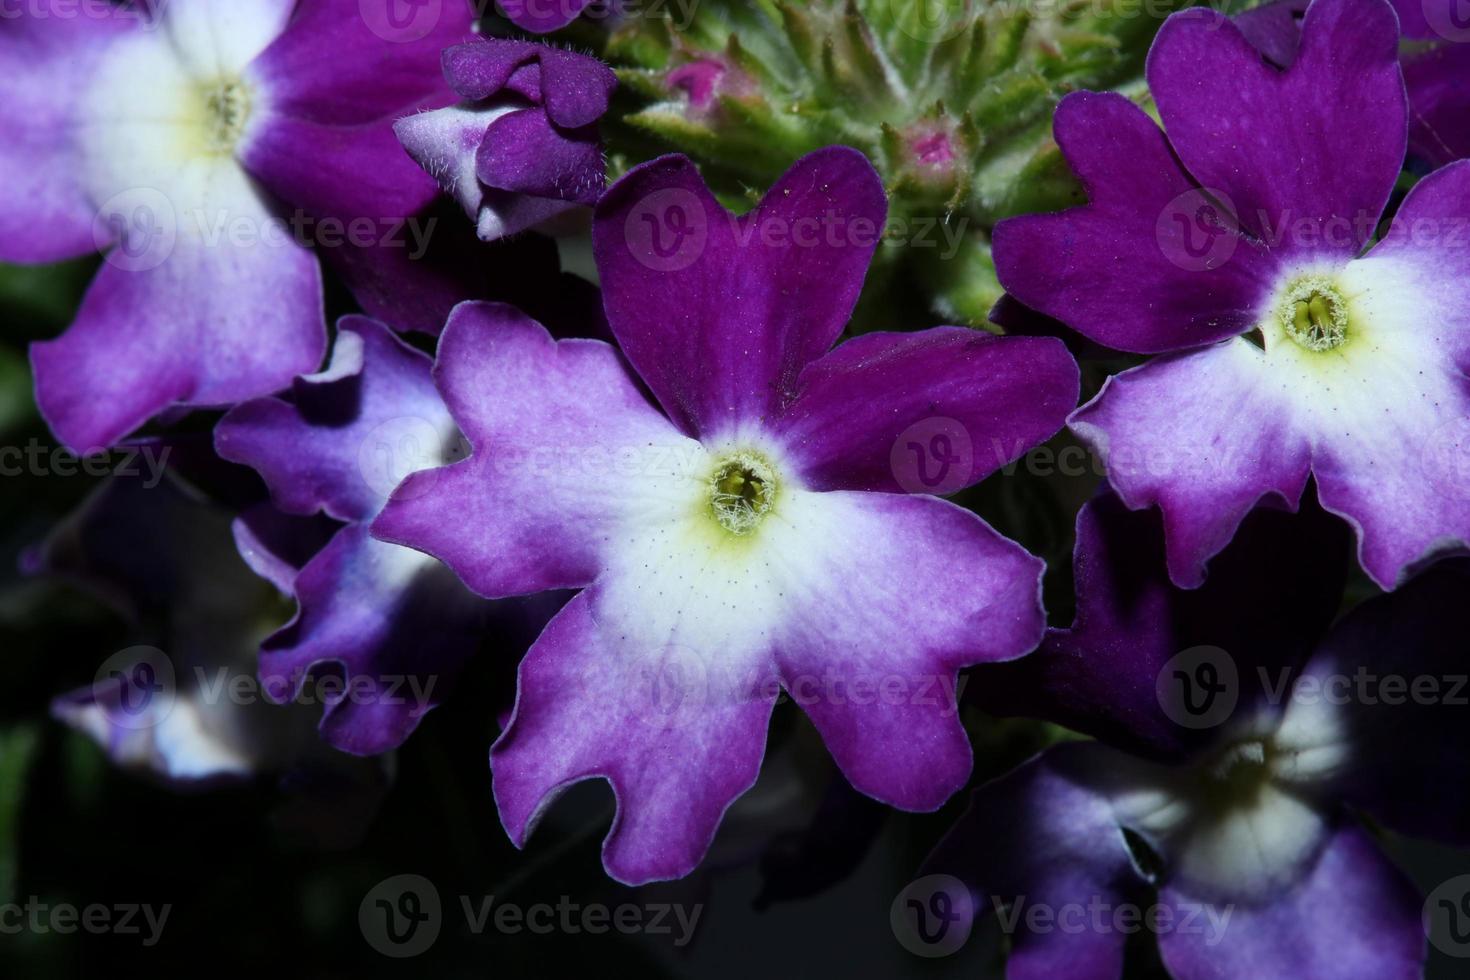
(523, 146)
(199, 144)
(1233, 246)
(398, 623)
(748, 528)
(1248, 840)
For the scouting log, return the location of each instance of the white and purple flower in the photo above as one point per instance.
(173, 138)
(523, 146)
(1237, 818)
(396, 623)
(730, 497)
(1232, 243)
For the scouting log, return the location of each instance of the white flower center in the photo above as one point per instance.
(742, 491)
(1312, 311)
(225, 112)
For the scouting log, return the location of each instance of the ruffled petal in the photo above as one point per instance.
(898, 593)
(1204, 436)
(1152, 262)
(677, 748)
(718, 314)
(351, 433)
(524, 153)
(1274, 142)
(931, 412)
(562, 439)
(396, 622)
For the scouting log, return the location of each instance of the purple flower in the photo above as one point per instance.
(1234, 808)
(1234, 247)
(173, 138)
(523, 146)
(179, 708)
(745, 529)
(396, 622)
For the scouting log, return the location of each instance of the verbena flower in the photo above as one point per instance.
(201, 144)
(396, 623)
(523, 145)
(1228, 792)
(1233, 243)
(747, 528)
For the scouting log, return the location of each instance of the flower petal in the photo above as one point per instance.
(1044, 837)
(1355, 917)
(719, 315)
(896, 593)
(542, 16)
(1268, 599)
(1387, 697)
(557, 429)
(396, 621)
(862, 408)
(45, 212)
(1153, 262)
(352, 432)
(214, 323)
(377, 70)
(524, 153)
(583, 711)
(1205, 436)
(1275, 142)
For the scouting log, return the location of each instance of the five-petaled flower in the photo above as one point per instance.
(746, 530)
(200, 144)
(1232, 243)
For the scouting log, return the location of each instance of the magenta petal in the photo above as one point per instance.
(212, 325)
(1152, 263)
(45, 212)
(1274, 29)
(547, 421)
(524, 153)
(1204, 436)
(918, 587)
(862, 409)
(1042, 836)
(1355, 917)
(1274, 143)
(353, 62)
(719, 315)
(583, 711)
